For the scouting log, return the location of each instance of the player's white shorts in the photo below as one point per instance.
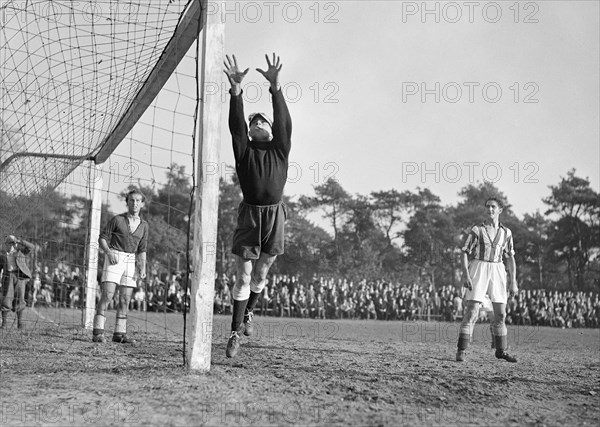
(121, 273)
(486, 304)
(488, 278)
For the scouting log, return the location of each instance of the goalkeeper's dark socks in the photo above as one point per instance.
(239, 308)
(252, 301)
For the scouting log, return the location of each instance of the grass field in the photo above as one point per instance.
(295, 372)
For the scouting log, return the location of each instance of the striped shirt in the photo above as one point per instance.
(483, 248)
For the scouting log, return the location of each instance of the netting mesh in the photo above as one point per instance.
(63, 94)
(69, 72)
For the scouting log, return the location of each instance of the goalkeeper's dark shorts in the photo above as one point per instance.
(259, 229)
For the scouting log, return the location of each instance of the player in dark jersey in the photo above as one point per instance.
(261, 149)
(124, 242)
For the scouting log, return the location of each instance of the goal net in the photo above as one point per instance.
(70, 71)
(98, 90)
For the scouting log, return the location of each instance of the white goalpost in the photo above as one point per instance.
(207, 198)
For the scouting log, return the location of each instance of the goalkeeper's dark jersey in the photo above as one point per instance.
(261, 166)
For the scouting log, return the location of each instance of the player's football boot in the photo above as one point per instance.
(248, 325)
(233, 345)
(461, 355)
(123, 339)
(500, 354)
(99, 338)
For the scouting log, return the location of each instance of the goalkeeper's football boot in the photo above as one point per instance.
(502, 354)
(233, 345)
(248, 323)
(461, 355)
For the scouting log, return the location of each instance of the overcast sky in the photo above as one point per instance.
(391, 94)
(394, 95)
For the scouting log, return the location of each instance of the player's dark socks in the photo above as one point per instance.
(252, 301)
(239, 307)
(501, 343)
(96, 331)
(463, 341)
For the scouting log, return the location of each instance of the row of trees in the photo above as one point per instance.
(407, 236)
(412, 237)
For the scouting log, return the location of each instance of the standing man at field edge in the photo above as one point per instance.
(15, 271)
(124, 241)
(261, 151)
(489, 242)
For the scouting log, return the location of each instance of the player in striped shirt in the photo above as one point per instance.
(488, 243)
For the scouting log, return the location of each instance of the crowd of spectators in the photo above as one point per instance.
(287, 296)
(59, 287)
(382, 300)
(554, 308)
(63, 287)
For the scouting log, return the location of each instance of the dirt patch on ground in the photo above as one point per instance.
(295, 372)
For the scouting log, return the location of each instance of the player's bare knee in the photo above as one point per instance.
(500, 318)
(105, 299)
(243, 279)
(471, 312)
(257, 286)
(241, 288)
